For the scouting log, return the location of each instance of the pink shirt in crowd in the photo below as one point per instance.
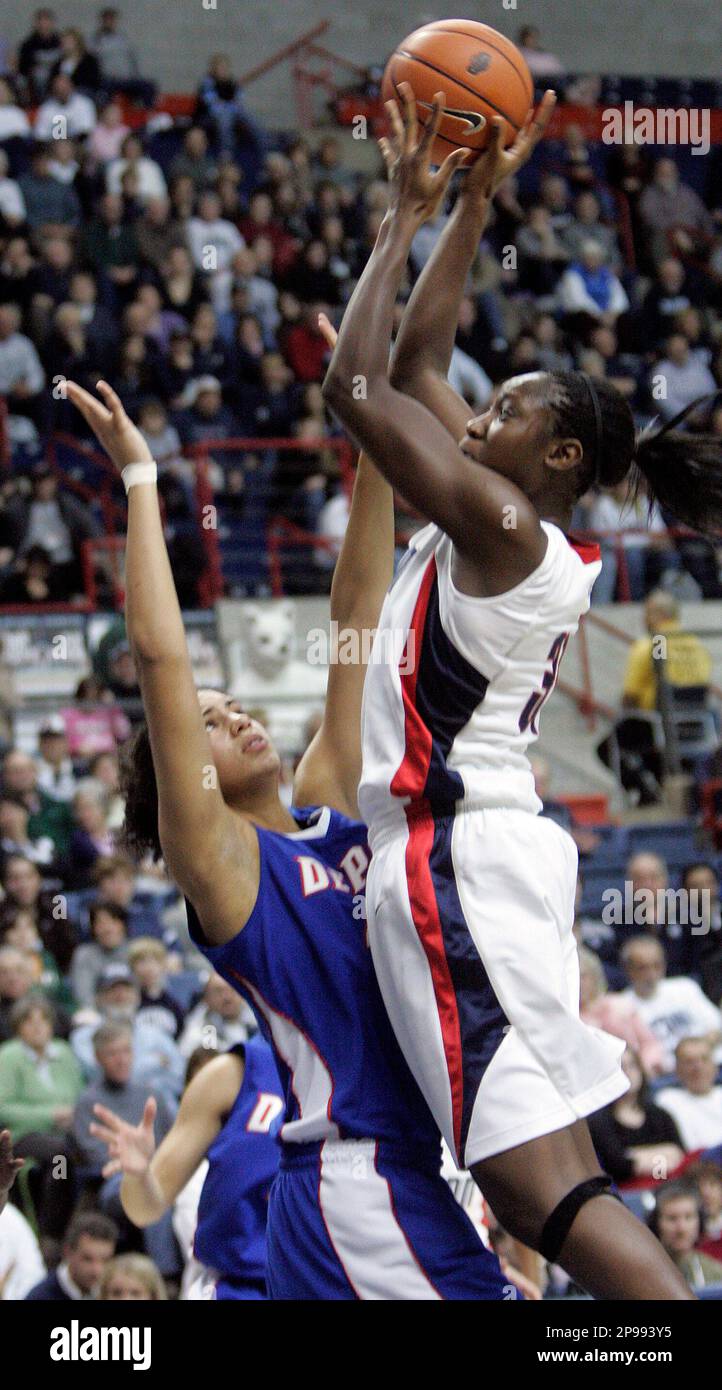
(616, 1015)
(93, 731)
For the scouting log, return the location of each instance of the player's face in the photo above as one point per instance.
(242, 751)
(512, 435)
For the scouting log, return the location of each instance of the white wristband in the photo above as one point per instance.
(135, 473)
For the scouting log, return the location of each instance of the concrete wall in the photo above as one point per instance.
(175, 37)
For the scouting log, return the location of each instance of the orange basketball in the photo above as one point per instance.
(481, 72)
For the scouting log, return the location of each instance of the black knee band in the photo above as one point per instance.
(557, 1226)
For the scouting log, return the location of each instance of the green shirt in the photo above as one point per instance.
(31, 1089)
(53, 818)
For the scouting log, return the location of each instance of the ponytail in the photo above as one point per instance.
(682, 471)
(679, 470)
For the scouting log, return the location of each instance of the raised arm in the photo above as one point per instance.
(330, 770)
(153, 1178)
(408, 444)
(426, 338)
(211, 852)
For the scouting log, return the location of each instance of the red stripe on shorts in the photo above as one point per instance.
(410, 780)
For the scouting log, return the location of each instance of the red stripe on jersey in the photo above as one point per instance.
(588, 551)
(410, 777)
(425, 915)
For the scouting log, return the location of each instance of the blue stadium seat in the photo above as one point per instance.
(661, 1083)
(640, 1203)
(676, 841)
(611, 852)
(595, 883)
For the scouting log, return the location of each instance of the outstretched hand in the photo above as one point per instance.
(113, 429)
(130, 1147)
(415, 188)
(496, 164)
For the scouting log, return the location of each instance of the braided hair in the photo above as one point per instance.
(679, 470)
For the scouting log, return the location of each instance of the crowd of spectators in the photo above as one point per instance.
(103, 999)
(188, 260)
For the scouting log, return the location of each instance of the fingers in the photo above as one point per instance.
(106, 1136)
(112, 401)
(149, 1112)
(110, 1169)
(529, 137)
(432, 125)
(93, 410)
(397, 125)
(408, 107)
(496, 139)
(110, 1120)
(453, 161)
(387, 151)
(544, 113)
(328, 330)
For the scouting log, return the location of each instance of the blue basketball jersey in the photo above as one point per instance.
(303, 964)
(242, 1163)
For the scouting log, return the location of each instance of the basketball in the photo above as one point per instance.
(482, 73)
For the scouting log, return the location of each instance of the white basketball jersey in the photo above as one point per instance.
(455, 684)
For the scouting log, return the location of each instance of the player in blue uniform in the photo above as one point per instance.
(230, 1114)
(360, 1208)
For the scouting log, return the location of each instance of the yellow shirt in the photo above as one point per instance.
(687, 663)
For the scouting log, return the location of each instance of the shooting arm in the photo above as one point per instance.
(408, 444)
(426, 338)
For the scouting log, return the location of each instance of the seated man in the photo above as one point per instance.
(221, 1019)
(675, 1007)
(662, 913)
(114, 1088)
(660, 669)
(157, 1061)
(682, 658)
(696, 1104)
(88, 1246)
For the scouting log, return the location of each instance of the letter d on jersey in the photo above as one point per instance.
(314, 877)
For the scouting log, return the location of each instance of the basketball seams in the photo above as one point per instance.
(482, 39)
(480, 96)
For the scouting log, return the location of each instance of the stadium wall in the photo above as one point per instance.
(618, 36)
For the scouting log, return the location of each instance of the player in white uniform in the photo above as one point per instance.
(470, 892)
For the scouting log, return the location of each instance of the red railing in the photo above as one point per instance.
(583, 696)
(276, 525)
(303, 53)
(113, 513)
